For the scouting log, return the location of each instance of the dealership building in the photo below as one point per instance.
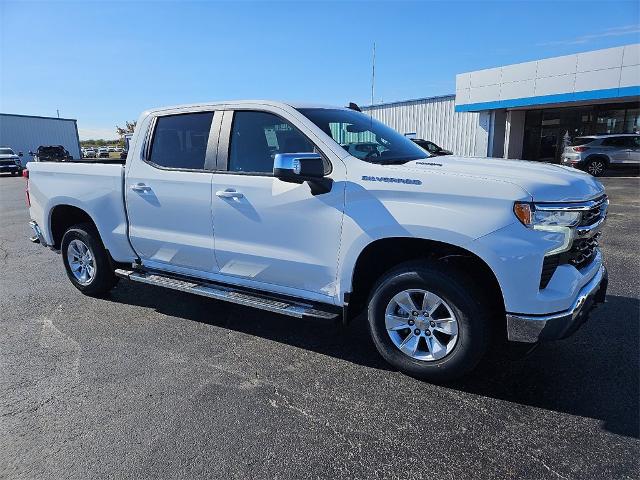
(527, 110)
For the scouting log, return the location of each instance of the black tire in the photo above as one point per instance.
(104, 278)
(596, 166)
(459, 292)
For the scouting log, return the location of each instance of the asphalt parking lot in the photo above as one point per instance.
(153, 383)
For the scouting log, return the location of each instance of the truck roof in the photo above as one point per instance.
(274, 103)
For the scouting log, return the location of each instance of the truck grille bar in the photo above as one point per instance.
(584, 247)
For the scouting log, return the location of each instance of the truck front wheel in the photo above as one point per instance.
(86, 261)
(426, 320)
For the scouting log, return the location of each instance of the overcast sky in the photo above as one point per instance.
(104, 63)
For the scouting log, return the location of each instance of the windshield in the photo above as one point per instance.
(6, 151)
(363, 137)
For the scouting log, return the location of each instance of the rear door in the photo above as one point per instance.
(168, 194)
(617, 148)
(634, 149)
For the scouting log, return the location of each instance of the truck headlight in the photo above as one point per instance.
(555, 218)
(547, 219)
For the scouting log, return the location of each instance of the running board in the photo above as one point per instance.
(228, 294)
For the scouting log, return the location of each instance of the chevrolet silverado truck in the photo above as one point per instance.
(274, 206)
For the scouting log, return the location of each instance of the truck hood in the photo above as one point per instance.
(9, 157)
(544, 182)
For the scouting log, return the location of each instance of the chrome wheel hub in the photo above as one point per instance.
(81, 262)
(421, 324)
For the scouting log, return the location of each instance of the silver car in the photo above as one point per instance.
(596, 153)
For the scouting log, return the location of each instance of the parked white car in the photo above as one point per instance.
(597, 153)
(261, 203)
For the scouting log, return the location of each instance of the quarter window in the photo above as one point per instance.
(180, 141)
(257, 137)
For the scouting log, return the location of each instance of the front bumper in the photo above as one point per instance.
(554, 326)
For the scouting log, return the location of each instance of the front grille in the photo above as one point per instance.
(582, 251)
(591, 216)
(7, 162)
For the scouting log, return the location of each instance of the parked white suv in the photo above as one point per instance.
(597, 153)
(261, 203)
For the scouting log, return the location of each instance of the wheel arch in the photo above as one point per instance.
(381, 255)
(63, 216)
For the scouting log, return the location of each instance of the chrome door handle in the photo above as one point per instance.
(140, 187)
(229, 193)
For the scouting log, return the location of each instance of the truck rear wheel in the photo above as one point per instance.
(86, 261)
(426, 320)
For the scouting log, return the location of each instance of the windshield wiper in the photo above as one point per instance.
(395, 162)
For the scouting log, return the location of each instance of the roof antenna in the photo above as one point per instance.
(373, 72)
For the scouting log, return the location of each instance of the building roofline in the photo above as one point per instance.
(37, 116)
(549, 58)
(411, 100)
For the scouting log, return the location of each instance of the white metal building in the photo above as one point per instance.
(528, 110)
(435, 119)
(23, 133)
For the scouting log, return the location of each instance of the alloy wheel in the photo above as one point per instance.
(81, 261)
(596, 168)
(421, 325)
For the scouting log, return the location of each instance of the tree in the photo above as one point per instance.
(129, 128)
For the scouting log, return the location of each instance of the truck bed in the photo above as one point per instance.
(94, 187)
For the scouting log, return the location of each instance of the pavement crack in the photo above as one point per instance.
(547, 467)
(313, 418)
(4, 254)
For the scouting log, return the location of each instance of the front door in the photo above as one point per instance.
(168, 195)
(269, 233)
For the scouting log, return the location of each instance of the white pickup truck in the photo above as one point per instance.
(314, 211)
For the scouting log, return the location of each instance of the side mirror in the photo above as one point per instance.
(31, 153)
(300, 168)
(20, 154)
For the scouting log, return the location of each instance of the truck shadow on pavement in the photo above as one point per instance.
(591, 374)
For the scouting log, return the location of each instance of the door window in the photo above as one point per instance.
(257, 137)
(180, 141)
(618, 142)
